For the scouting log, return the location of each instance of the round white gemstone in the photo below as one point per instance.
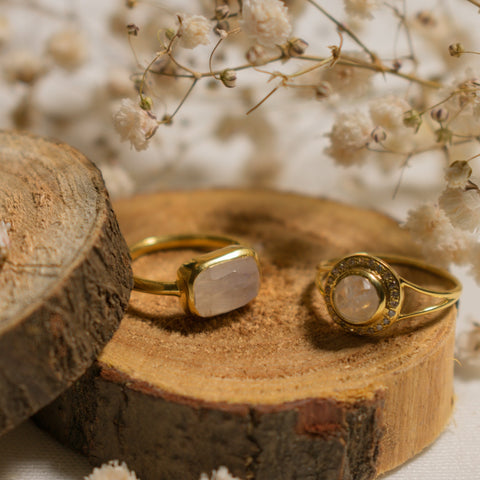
(356, 299)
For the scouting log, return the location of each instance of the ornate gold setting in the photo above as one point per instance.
(390, 287)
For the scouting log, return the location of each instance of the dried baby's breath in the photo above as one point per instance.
(112, 470)
(221, 474)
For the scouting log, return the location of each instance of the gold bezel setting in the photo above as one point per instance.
(188, 273)
(386, 283)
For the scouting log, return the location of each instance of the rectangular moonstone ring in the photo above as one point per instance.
(213, 283)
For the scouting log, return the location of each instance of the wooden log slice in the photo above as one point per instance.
(67, 278)
(274, 390)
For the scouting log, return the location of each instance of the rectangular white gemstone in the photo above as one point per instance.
(226, 286)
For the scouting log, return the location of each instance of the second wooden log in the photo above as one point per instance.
(274, 390)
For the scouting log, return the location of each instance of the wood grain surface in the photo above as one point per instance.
(274, 390)
(67, 278)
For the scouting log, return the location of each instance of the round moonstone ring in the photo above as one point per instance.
(365, 295)
(217, 282)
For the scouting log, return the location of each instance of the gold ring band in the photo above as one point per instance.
(216, 282)
(365, 295)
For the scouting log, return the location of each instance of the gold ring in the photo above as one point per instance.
(211, 284)
(365, 295)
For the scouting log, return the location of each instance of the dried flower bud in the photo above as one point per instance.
(256, 55)
(222, 11)
(412, 119)
(229, 78)
(379, 134)
(426, 18)
(170, 33)
(458, 173)
(456, 49)
(222, 29)
(397, 65)
(146, 103)
(296, 47)
(443, 135)
(167, 119)
(323, 90)
(439, 114)
(132, 29)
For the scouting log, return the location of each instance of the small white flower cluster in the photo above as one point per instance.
(68, 48)
(468, 347)
(266, 21)
(4, 241)
(352, 132)
(134, 124)
(112, 470)
(349, 136)
(447, 230)
(194, 30)
(221, 474)
(349, 81)
(441, 243)
(361, 8)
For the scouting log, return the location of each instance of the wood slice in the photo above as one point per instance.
(67, 278)
(274, 390)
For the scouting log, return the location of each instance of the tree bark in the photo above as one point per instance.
(66, 282)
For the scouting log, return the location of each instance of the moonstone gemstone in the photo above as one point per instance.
(356, 299)
(226, 286)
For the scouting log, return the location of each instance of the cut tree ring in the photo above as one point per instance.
(365, 295)
(211, 284)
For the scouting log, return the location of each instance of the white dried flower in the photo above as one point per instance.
(388, 112)
(350, 134)
(468, 95)
(194, 30)
(4, 241)
(441, 243)
(266, 21)
(24, 66)
(349, 80)
(119, 84)
(68, 48)
(117, 180)
(457, 174)
(468, 347)
(361, 8)
(475, 262)
(462, 207)
(112, 471)
(134, 124)
(4, 30)
(221, 474)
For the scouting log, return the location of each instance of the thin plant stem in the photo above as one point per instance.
(263, 100)
(189, 91)
(345, 29)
